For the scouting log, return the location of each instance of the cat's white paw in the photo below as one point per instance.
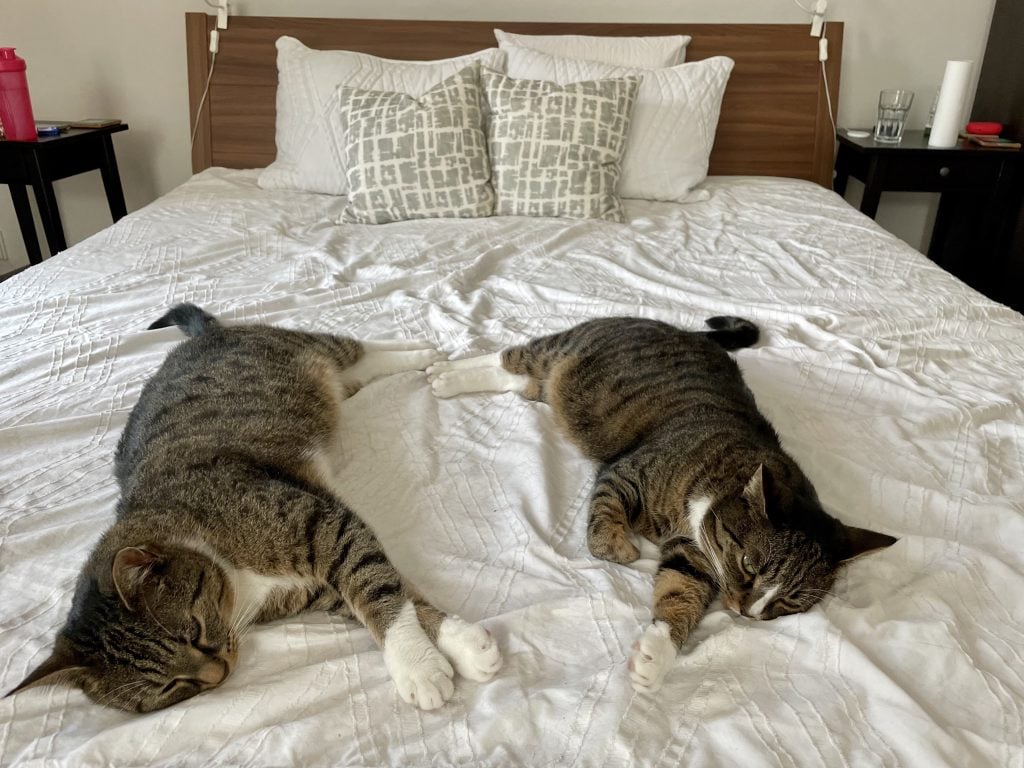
(449, 383)
(427, 684)
(441, 366)
(395, 345)
(652, 657)
(421, 359)
(470, 648)
(422, 675)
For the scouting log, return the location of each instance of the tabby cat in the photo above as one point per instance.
(685, 460)
(226, 517)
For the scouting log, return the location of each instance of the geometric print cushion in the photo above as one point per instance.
(409, 158)
(672, 130)
(307, 132)
(556, 150)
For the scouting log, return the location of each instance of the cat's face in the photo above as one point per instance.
(767, 569)
(157, 632)
(772, 573)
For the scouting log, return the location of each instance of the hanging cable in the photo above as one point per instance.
(222, 23)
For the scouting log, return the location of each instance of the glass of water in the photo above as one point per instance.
(893, 106)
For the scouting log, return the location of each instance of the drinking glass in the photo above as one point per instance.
(893, 106)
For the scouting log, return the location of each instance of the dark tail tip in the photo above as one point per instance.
(192, 320)
(732, 332)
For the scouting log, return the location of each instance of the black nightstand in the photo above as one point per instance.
(40, 163)
(977, 186)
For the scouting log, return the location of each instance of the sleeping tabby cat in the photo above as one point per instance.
(226, 518)
(685, 460)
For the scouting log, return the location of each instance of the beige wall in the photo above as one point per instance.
(126, 58)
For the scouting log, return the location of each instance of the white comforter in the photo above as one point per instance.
(895, 386)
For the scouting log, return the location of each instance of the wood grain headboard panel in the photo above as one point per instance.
(774, 118)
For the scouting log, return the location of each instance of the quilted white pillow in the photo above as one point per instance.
(647, 52)
(674, 119)
(310, 139)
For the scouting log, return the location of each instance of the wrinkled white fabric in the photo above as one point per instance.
(896, 387)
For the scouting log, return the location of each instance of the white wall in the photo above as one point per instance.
(126, 58)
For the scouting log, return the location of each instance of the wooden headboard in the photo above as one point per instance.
(774, 120)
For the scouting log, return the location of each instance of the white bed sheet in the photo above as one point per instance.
(896, 387)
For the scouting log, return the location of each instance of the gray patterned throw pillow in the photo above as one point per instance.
(413, 158)
(556, 150)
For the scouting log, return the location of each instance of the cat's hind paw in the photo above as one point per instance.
(652, 657)
(450, 383)
(474, 374)
(470, 648)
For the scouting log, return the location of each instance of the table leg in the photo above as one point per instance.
(842, 173)
(26, 223)
(46, 201)
(112, 180)
(873, 187)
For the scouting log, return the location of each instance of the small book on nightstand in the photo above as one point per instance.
(990, 142)
(95, 122)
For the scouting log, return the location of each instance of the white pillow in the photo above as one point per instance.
(674, 119)
(310, 139)
(648, 52)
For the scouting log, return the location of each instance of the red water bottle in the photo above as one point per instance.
(15, 106)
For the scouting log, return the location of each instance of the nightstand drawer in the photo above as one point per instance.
(920, 173)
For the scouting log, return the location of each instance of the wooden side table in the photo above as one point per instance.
(976, 186)
(40, 163)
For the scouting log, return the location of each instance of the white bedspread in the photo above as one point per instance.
(896, 387)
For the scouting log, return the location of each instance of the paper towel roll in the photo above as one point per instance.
(950, 109)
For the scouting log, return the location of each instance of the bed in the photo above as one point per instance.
(896, 387)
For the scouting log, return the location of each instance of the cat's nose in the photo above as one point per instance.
(213, 672)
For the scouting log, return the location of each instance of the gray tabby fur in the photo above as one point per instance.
(686, 460)
(227, 517)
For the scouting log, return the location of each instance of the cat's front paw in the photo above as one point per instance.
(422, 675)
(611, 543)
(470, 648)
(426, 682)
(652, 657)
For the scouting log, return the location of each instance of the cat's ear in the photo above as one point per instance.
(61, 668)
(132, 567)
(861, 541)
(758, 491)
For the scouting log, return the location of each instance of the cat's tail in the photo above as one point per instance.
(732, 332)
(192, 320)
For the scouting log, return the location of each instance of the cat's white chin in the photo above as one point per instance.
(652, 657)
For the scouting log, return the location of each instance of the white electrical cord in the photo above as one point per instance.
(824, 79)
(222, 23)
(202, 101)
(795, 2)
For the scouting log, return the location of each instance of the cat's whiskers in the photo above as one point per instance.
(716, 563)
(121, 689)
(243, 619)
(133, 702)
(820, 593)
